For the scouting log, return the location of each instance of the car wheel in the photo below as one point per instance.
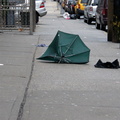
(102, 26)
(89, 21)
(85, 20)
(37, 18)
(97, 25)
(78, 16)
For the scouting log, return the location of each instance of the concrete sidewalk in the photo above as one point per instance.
(16, 61)
(52, 91)
(70, 91)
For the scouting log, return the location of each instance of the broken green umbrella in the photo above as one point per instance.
(66, 48)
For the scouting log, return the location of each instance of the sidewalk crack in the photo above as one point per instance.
(21, 109)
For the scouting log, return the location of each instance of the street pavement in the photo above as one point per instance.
(31, 89)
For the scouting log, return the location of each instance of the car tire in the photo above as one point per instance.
(97, 25)
(102, 26)
(37, 18)
(77, 15)
(89, 21)
(85, 20)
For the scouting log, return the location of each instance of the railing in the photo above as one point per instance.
(14, 16)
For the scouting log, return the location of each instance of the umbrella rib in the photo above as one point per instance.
(54, 56)
(60, 49)
(67, 60)
(70, 45)
(75, 54)
(64, 59)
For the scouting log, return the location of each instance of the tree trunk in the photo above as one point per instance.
(116, 21)
(110, 20)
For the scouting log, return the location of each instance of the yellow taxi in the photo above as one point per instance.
(79, 7)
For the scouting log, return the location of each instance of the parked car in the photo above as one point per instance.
(89, 11)
(101, 14)
(40, 9)
(21, 11)
(79, 7)
(69, 7)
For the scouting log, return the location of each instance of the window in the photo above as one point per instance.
(84, 1)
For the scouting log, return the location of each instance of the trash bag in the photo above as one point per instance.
(73, 16)
(66, 15)
(114, 64)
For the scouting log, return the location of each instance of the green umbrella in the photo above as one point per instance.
(66, 48)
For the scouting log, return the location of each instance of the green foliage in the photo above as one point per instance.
(116, 28)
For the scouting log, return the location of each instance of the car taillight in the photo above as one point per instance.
(79, 6)
(104, 12)
(42, 5)
(90, 9)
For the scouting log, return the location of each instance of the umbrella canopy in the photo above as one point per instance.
(66, 48)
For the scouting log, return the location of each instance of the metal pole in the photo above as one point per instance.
(57, 5)
(110, 20)
(32, 14)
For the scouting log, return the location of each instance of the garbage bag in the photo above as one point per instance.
(66, 15)
(73, 16)
(114, 64)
